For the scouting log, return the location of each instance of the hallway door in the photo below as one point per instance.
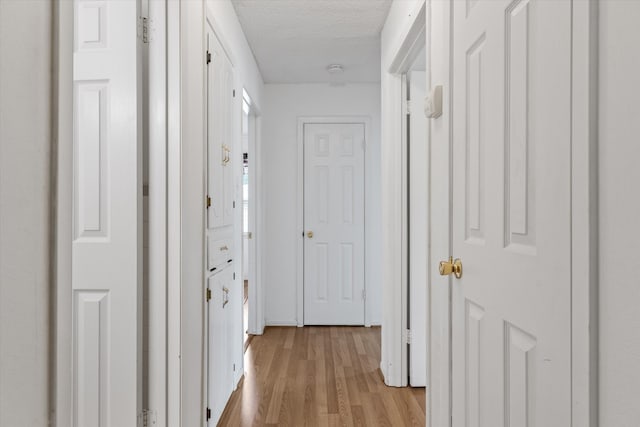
(107, 216)
(334, 224)
(511, 312)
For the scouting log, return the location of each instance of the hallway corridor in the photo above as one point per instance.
(319, 376)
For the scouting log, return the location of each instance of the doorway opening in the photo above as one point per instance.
(249, 216)
(415, 231)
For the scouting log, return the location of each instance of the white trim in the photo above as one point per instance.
(157, 206)
(404, 235)
(440, 132)
(63, 148)
(584, 215)
(299, 243)
(411, 44)
(255, 322)
(259, 224)
(174, 220)
(283, 323)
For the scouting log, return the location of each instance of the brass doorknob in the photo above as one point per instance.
(310, 234)
(451, 266)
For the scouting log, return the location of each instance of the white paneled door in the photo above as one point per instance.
(107, 216)
(511, 213)
(334, 224)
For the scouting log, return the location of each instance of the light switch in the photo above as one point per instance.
(433, 103)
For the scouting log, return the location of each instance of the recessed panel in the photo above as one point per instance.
(322, 194)
(473, 318)
(346, 271)
(474, 144)
(91, 160)
(322, 145)
(347, 194)
(470, 5)
(346, 146)
(519, 373)
(91, 357)
(519, 149)
(91, 28)
(322, 269)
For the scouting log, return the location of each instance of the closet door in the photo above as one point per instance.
(106, 264)
(218, 361)
(229, 305)
(215, 134)
(229, 160)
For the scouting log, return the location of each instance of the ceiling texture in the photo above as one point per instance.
(295, 40)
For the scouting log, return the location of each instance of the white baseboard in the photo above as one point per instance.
(280, 322)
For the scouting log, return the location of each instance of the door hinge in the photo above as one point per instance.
(234, 93)
(208, 295)
(364, 294)
(208, 414)
(208, 57)
(234, 204)
(407, 107)
(407, 336)
(208, 202)
(145, 29)
(145, 33)
(147, 418)
(234, 367)
(234, 276)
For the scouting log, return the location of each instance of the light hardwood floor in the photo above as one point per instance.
(320, 376)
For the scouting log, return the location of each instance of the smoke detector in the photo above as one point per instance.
(335, 68)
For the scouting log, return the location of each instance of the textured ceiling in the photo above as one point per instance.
(295, 40)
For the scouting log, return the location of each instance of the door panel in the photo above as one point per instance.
(216, 110)
(227, 165)
(511, 213)
(107, 232)
(218, 360)
(334, 213)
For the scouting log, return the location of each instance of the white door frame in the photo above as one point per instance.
(63, 134)
(584, 277)
(395, 367)
(255, 324)
(366, 121)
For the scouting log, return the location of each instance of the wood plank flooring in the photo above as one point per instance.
(320, 376)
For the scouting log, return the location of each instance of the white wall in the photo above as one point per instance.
(283, 104)
(619, 154)
(247, 75)
(25, 148)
